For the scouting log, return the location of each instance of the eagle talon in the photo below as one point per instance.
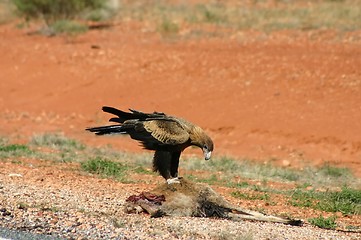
(173, 180)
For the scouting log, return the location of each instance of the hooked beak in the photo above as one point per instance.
(207, 154)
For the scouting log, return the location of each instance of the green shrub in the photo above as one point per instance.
(55, 10)
(14, 150)
(321, 222)
(105, 168)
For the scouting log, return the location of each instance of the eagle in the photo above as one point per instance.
(167, 135)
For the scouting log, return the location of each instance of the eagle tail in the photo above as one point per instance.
(107, 129)
(121, 116)
(133, 114)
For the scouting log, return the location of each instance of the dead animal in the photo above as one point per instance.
(189, 199)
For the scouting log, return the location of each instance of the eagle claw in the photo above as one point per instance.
(173, 180)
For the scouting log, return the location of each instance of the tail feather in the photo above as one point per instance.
(127, 121)
(133, 114)
(107, 129)
(122, 116)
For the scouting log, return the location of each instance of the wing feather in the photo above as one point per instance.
(166, 131)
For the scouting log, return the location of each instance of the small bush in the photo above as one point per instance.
(55, 10)
(105, 168)
(14, 150)
(346, 201)
(321, 222)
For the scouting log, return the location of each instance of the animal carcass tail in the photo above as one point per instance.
(239, 214)
(113, 129)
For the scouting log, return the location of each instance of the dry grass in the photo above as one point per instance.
(342, 15)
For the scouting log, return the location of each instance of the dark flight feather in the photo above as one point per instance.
(168, 136)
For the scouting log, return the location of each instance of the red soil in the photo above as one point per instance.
(292, 98)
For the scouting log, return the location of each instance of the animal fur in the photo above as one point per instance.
(189, 199)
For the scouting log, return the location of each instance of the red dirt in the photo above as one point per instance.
(292, 98)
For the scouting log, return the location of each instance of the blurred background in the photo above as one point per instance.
(272, 81)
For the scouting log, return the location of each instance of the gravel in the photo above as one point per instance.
(62, 203)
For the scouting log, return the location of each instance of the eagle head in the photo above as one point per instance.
(207, 147)
(200, 139)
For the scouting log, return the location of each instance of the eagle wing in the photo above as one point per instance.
(157, 134)
(166, 131)
(154, 130)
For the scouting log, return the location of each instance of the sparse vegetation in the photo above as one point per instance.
(14, 150)
(105, 168)
(339, 15)
(6, 11)
(168, 17)
(52, 11)
(56, 141)
(64, 149)
(249, 196)
(231, 168)
(60, 16)
(326, 223)
(346, 201)
(69, 27)
(107, 162)
(331, 171)
(168, 28)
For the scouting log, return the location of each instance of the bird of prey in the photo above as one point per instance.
(167, 135)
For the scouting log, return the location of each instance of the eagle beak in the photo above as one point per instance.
(207, 155)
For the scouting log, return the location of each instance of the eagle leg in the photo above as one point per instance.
(166, 163)
(174, 164)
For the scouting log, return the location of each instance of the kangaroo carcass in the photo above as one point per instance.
(190, 199)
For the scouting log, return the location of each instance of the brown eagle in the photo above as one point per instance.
(168, 136)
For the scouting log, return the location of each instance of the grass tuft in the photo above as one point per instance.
(71, 28)
(56, 141)
(338, 15)
(346, 201)
(168, 27)
(105, 168)
(247, 196)
(326, 223)
(336, 172)
(15, 150)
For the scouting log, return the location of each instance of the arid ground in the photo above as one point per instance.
(292, 98)
(288, 98)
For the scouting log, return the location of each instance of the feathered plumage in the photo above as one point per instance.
(168, 136)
